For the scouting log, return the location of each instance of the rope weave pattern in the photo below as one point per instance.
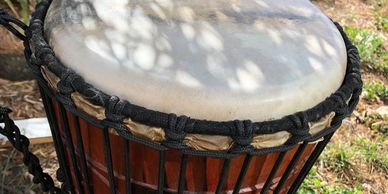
(21, 143)
(175, 132)
(177, 127)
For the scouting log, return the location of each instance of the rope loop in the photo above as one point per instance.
(65, 84)
(342, 107)
(300, 122)
(353, 55)
(175, 132)
(44, 51)
(35, 60)
(94, 95)
(244, 133)
(21, 143)
(6, 20)
(36, 25)
(114, 110)
(301, 128)
(196, 126)
(65, 87)
(243, 136)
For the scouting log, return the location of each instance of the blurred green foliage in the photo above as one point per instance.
(370, 46)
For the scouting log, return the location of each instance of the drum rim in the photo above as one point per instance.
(343, 101)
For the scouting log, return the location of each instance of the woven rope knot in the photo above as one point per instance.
(65, 87)
(353, 55)
(356, 74)
(242, 137)
(244, 133)
(114, 109)
(355, 78)
(94, 95)
(175, 132)
(301, 128)
(65, 84)
(176, 127)
(36, 25)
(45, 51)
(21, 143)
(34, 60)
(342, 107)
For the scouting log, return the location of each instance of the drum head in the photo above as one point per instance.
(214, 60)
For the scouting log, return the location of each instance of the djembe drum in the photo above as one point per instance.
(190, 96)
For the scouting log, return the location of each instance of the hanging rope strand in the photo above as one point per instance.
(21, 143)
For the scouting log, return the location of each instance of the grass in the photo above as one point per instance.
(13, 178)
(381, 15)
(381, 22)
(376, 122)
(375, 90)
(314, 184)
(20, 8)
(349, 164)
(372, 152)
(370, 46)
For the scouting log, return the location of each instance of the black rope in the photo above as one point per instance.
(10, 130)
(242, 132)
(159, 119)
(8, 21)
(177, 127)
(301, 128)
(243, 136)
(21, 143)
(175, 133)
(114, 109)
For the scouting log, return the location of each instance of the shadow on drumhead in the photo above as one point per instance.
(216, 54)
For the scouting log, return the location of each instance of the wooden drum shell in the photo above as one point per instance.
(201, 176)
(94, 159)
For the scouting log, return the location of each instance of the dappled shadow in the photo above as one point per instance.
(250, 49)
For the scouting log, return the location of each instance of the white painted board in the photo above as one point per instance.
(36, 129)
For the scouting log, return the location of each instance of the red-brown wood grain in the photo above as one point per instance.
(202, 173)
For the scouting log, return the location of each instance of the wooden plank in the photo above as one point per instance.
(36, 129)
